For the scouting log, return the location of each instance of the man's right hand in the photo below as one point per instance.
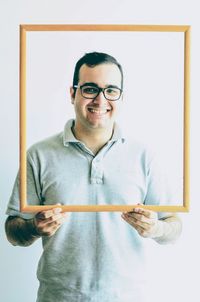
(48, 222)
(24, 232)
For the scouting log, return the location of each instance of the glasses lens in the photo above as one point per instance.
(112, 93)
(89, 92)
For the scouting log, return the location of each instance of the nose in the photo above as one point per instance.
(100, 98)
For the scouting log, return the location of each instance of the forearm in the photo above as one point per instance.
(20, 231)
(169, 230)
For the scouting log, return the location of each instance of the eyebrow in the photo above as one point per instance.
(95, 85)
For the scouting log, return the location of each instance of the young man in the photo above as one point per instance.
(91, 256)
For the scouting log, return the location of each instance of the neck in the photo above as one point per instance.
(94, 139)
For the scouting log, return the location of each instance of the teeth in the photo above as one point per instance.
(98, 111)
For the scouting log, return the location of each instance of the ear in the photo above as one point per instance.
(72, 93)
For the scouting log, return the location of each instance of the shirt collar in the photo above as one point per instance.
(69, 137)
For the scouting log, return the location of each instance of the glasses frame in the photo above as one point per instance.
(24, 29)
(99, 91)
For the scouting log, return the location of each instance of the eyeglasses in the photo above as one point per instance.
(91, 92)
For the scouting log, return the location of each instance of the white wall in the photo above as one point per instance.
(152, 106)
(174, 268)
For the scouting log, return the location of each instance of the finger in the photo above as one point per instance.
(57, 222)
(51, 219)
(45, 214)
(132, 222)
(58, 217)
(147, 213)
(146, 226)
(49, 227)
(48, 213)
(57, 210)
(141, 218)
(141, 231)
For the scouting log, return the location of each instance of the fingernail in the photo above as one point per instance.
(57, 210)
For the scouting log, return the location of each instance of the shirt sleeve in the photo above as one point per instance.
(159, 191)
(33, 191)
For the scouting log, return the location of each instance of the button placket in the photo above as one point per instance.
(96, 171)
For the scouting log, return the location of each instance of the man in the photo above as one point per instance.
(91, 256)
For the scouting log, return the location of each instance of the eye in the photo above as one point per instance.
(89, 90)
(112, 91)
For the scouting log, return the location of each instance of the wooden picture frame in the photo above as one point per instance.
(24, 30)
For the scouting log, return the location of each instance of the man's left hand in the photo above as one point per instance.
(146, 222)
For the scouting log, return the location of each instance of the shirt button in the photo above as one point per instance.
(98, 181)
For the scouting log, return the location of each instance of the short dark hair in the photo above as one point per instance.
(92, 59)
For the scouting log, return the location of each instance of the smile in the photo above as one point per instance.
(98, 111)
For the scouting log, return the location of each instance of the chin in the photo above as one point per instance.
(102, 128)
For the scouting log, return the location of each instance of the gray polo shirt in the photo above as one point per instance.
(95, 257)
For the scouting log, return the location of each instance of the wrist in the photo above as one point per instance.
(32, 228)
(159, 230)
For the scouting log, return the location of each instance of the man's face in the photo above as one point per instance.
(97, 113)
